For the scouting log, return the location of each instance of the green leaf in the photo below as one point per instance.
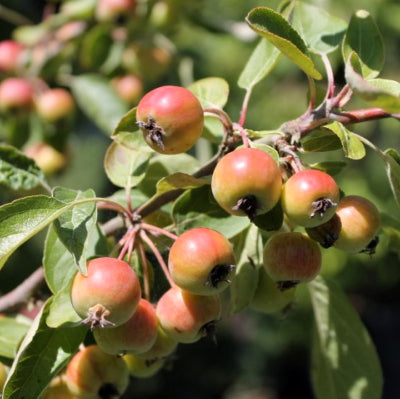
(321, 141)
(75, 225)
(270, 221)
(377, 92)
(321, 31)
(391, 159)
(198, 208)
(126, 167)
(95, 47)
(59, 264)
(268, 149)
(344, 360)
(259, 134)
(178, 181)
(166, 165)
(12, 331)
(98, 100)
(352, 146)
(330, 167)
(43, 354)
(261, 62)
(25, 217)
(363, 38)
(18, 171)
(249, 253)
(271, 25)
(61, 311)
(211, 92)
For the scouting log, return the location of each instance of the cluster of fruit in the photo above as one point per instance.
(201, 262)
(37, 67)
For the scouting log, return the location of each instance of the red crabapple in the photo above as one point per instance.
(188, 317)
(247, 182)
(137, 335)
(93, 374)
(10, 55)
(360, 221)
(201, 261)
(327, 233)
(16, 94)
(108, 295)
(291, 258)
(129, 87)
(171, 119)
(55, 104)
(310, 197)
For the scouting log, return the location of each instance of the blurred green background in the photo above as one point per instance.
(257, 356)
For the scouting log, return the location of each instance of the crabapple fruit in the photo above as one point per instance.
(291, 258)
(327, 233)
(310, 197)
(10, 55)
(143, 368)
(137, 335)
(55, 104)
(201, 261)
(107, 10)
(91, 373)
(46, 157)
(108, 295)
(360, 222)
(188, 317)
(171, 119)
(268, 298)
(16, 94)
(247, 182)
(58, 389)
(129, 87)
(164, 346)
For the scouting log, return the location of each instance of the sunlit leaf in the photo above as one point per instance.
(273, 26)
(211, 92)
(344, 360)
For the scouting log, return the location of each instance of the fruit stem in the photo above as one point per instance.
(245, 105)
(157, 254)
(331, 79)
(158, 230)
(146, 274)
(243, 134)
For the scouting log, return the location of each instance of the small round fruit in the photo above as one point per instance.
(46, 157)
(55, 104)
(16, 94)
(128, 87)
(310, 197)
(164, 346)
(93, 374)
(247, 182)
(201, 261)
(171, 119)
(268, 298)
(108, 295)
(291, 258)
(10, 55)
(143, 368)
(360, 220)
(58, 389)
(137, 335)
(107, 10)
(188, 317)
(327, 233)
